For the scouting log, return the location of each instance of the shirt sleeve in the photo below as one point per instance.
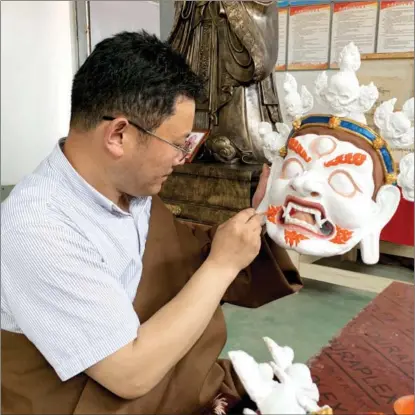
(64, 297)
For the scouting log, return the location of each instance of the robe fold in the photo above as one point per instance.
(174, 251)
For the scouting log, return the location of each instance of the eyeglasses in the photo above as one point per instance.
(185, 149)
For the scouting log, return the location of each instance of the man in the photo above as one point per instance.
(110, 305)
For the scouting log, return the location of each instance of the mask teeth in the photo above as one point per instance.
(287, 209)
(317, 217)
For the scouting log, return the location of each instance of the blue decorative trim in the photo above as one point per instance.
(354, 127)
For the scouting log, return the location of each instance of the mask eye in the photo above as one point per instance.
(343, 184)
(291, 168)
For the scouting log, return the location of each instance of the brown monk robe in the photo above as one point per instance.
(173, 253)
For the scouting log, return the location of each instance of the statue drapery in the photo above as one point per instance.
(233, 45)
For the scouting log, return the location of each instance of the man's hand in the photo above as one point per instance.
(236, 242)
(262, 186)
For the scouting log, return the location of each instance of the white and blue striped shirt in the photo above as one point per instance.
(71, 262)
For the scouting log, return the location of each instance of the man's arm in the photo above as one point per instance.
(170, 333)
(166, 337)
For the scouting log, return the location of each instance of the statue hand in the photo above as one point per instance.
(262, 186)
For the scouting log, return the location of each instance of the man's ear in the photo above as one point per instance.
(387, 201)
(114, 136)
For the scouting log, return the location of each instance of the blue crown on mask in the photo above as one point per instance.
(357, 129)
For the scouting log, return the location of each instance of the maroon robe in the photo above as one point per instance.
(174, 251)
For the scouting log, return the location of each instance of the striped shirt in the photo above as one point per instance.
(71, 262)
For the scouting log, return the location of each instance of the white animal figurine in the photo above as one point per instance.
(292, 392)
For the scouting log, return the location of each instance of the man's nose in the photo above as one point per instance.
(307, 185)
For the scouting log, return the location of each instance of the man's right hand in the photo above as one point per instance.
(237, 242)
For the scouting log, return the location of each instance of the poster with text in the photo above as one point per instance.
(396, 27)
(309, 32)
(353, 21)
(282, 35)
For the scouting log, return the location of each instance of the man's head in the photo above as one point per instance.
(132, 89)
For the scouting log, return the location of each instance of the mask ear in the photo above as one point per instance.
(275, 173)
(387, 201)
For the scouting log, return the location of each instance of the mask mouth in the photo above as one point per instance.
(305, 217)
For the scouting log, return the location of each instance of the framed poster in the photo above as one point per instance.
(194, 142)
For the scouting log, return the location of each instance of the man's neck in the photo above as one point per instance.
(81, 152)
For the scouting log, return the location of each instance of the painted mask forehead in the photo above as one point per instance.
(319, 146)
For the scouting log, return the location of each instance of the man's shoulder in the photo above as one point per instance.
(33, 200)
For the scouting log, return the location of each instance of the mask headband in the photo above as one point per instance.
(357, 129)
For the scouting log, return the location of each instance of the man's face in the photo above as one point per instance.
(320, 197)
(149, 161)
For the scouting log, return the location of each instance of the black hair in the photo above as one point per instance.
(133, 74)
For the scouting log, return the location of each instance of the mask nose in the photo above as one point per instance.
(307, 185)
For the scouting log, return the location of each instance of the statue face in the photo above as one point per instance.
(320, 196)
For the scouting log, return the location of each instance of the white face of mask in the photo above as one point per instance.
(319, 198)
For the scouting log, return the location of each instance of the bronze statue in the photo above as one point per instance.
(233, 45)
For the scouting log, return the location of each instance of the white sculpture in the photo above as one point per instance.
(342, 92)
(296, 105)
(293, 390)
(396, 127)
(273, 140)
(333, 184)
(406, 176)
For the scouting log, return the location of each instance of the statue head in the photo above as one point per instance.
(332, 186)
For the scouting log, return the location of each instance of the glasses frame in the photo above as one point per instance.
(183, 150)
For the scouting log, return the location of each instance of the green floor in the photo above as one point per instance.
(306, 321)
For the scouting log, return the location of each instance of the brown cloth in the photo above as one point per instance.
(173, 253)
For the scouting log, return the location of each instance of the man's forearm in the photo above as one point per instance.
(168, 335)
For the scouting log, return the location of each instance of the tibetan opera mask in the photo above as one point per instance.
(332, 186)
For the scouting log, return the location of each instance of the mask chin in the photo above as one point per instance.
(387, 201)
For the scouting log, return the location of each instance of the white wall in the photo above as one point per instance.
(38, 61)
(37, 66)
(110, 17)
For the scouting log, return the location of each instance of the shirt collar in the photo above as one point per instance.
(78, 184)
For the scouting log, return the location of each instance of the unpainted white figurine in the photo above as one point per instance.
(296, 105)
(272, 140)
(342, 93)
(396, 127)
(406, 176)
(293, 390)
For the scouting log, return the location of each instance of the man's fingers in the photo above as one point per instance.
(245, 215)
(257, 217)
(255, 223)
